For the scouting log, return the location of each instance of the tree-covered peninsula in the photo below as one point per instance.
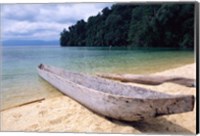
(158, 25)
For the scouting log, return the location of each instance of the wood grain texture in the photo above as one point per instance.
(149, 79)
(113, 99)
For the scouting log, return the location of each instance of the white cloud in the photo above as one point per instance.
(69, 13)
(22, 27)
(43, 21)
(33, 30)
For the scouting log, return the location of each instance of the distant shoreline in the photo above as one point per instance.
(109, 48)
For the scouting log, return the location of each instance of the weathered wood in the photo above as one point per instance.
(26, 103)
(113, 99)
(149, 79)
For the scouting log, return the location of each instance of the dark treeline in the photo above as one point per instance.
(158, 25)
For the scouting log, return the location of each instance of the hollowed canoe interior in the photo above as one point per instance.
(105, 85)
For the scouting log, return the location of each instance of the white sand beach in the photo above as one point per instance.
(63, 114)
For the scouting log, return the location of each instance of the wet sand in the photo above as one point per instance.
(62, 114)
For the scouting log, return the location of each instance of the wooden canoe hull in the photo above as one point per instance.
(116, 106)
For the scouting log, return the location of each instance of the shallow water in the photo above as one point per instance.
(20, 82)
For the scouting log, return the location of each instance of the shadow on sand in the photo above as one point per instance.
(154, 126)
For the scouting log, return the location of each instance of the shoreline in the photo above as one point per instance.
(62, 114)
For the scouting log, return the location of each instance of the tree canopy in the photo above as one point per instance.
(146, 25)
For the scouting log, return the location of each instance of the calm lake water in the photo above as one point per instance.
(20, 82)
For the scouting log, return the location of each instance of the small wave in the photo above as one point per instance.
(18, 74)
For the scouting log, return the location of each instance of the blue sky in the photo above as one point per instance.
(43, 21)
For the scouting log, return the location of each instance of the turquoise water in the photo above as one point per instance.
(20, 82)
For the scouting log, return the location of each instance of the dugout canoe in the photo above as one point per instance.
(114, 99)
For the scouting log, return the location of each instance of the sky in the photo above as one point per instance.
(43, 21)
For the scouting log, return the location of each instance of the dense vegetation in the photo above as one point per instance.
(158, 25)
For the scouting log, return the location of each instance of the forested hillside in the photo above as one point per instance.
(158, 25)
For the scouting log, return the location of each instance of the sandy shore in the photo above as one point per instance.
(62, 114)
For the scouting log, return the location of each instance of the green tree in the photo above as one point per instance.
(145, 25)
